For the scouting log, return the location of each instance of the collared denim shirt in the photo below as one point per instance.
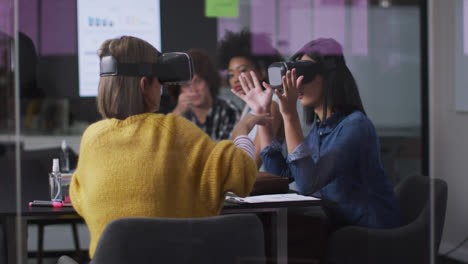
(340, 161)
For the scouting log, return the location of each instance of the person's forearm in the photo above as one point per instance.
(246, 144)
(178, 111)
(292, 131)
(258, 149)
(278, 127)
(275, 163)
(266, 135)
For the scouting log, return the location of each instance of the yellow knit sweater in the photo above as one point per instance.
(156, 166)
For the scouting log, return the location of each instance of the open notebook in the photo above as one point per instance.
(270, 198)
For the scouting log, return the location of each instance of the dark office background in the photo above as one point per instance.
(54, 33)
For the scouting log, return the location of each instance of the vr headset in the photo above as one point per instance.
(171, 68)
(306, 68)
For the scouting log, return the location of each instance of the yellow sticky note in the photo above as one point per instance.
(221, 8)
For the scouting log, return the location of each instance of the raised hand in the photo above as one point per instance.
(184, 102)
(288, 99)
(253, 95)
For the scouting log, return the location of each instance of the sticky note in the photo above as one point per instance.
(221, 8)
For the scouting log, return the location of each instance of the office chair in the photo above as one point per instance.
(409, 243)
(219, 239)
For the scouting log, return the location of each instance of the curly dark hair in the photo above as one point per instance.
(205, 68)
(239, 44)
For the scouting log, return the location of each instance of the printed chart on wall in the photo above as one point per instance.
(106, 19)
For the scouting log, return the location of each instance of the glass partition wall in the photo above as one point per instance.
(382, 47)
(33, 125)
(381, 41)
(385, 46)
(448, 95)
(10, 145)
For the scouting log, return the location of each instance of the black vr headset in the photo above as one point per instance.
(306, 68)
(172, 67)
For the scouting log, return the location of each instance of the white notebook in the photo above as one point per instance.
(271, 198)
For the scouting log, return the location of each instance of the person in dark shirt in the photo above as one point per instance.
(339, 160)
(198, 102)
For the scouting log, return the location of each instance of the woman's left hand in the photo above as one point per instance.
(288, 99)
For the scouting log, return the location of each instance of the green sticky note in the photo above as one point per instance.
(221, 8)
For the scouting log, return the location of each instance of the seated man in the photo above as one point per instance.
(198, 102)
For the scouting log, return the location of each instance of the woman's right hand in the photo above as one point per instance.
(184, 103)
(246, 124)
(253, 95)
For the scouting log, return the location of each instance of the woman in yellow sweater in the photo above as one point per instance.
(135, 163)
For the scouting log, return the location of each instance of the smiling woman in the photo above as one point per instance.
(235, 53)
(238, 65)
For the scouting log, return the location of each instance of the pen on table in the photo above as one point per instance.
(46, 203)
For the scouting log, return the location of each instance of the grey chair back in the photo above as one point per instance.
(219, 239)
(414, 197)
(409, 243)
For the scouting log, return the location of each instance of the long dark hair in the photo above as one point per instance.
(340, 91)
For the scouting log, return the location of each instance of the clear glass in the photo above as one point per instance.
(55, 186)
(382, 45)
(381, 41)
(11, 197)
(449, 109)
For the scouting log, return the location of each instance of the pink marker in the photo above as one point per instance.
(57, 204)
(46, 203)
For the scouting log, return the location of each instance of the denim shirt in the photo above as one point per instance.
(340, 161)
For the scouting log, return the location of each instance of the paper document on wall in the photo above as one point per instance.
(271, 198)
